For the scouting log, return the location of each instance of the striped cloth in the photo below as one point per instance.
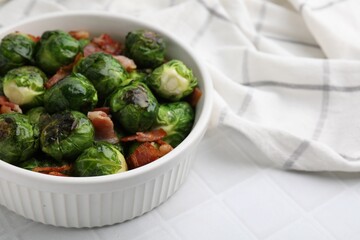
(286, 72)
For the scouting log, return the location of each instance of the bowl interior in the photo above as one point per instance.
(116, 26)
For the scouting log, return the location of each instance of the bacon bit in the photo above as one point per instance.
(104, 127)
(164, 148)
(78, 35)
(150, 136)
(109, 45)
(56, 171)
(143, 154)
(147, 152)
(194, 97)
(7, 107)
(103, 109)
(62, 72)
(126, 62)
(91, 48)
(34, 38)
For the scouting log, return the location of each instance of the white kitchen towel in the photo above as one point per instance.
(286, 73)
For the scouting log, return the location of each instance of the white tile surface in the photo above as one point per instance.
(210, 221)
(307, 189)
(340, 216)
(261, 205)
(302, 229)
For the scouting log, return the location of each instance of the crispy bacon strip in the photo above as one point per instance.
(78, 35)
(150, 136)
(106, 43)
(148, 152)
(194, 97)
(57, 171)
(7, 107)
(143, 154)
(126, 62)
(104, 127)
(62, 72)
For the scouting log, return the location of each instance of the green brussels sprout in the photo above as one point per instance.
(177, 120)
(101, 159)
(25, 86)
(104, 71)
(18, 140)
(135, 107)
(16, 50)
(172, 80)
(146, 48)
(67, 135)
(56, 49)
(38, 117)
(74, 92)
(138, 75)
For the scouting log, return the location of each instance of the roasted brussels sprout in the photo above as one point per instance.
(56, 49)
(101, 159)
(74, 92)
(38, 117)
(172, 80)
(66, 135)
(16, 50)
(104, 71)
(146, 48)
(135, 107)
(138, 75)
(25, 86)
(18, 140)
(176, 119)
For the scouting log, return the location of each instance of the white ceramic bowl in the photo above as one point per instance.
(104, 200)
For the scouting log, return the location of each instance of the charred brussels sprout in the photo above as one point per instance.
(101, 159)
(38, 117)
(104, 71)
(56, 49)
(74, 92)
(16, 50)
(135, 107)
(176, 119)
(25, 86)
(66, 135)
(172, 80)
(18, 139)
(146, 48)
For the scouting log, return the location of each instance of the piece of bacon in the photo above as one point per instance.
(62, 72)
(109, 45)
(7, 107)
(194, 97)
(91, 48)
(34, 38)
(56, 171)
(78, 35)
(150, 136)
(126, 62)
(147, 152)
(104, 127)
